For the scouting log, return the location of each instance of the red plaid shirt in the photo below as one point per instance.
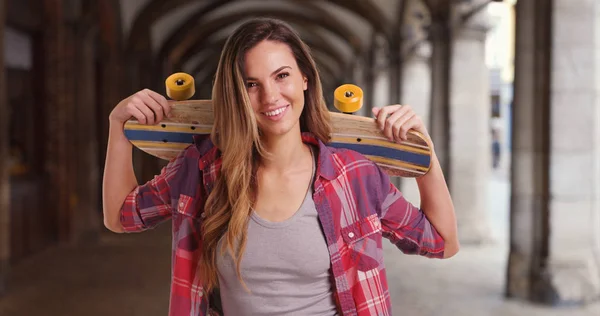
(357, 206)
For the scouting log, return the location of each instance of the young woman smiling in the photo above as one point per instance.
(264, 210)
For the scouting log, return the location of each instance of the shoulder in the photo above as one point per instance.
(357, 176)
(204, 151)
(357, 167)
(353, 169)
(188, 161)
(349, 160)
(183, 174)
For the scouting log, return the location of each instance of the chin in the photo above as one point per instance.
(275, 131)
(278, 130)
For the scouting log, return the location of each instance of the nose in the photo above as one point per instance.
(270, 93)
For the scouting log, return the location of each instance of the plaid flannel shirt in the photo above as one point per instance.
(357, 206)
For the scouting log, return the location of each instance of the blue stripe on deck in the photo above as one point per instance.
(372, 150)
(156, 136)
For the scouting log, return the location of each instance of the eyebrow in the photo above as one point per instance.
(274, 72)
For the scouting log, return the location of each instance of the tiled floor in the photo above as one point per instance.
(469, 284)
(121, 275)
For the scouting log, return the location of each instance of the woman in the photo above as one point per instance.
(263, 210)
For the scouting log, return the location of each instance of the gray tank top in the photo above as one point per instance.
(286, 266)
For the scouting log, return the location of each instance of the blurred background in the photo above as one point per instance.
(510, 91)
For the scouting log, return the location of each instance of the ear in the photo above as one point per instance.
(305, 84)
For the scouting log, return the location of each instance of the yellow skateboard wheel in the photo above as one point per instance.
(180, 86)
(348, 98)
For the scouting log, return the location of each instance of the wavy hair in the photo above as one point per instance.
(236, 135)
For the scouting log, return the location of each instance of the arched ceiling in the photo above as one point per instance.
(190, 33)
(138, 16)
(465, 8)
(181, 43)
(327, 56)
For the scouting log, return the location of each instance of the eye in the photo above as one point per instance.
(283, 75)
(250, 84)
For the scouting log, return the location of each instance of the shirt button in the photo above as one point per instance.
(351, 234)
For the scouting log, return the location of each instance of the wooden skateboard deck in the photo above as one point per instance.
(411, 158)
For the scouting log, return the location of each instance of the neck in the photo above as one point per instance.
(287, 151)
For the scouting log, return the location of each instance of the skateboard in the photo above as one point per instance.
(410, 158)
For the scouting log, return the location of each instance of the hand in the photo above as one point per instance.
(396, 120)
(146, 106)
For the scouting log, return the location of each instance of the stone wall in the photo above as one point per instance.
(554, 255)
(4, 184)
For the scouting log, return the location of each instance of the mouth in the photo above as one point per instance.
(277, 113)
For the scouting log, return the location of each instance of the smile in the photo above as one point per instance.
(276, 111)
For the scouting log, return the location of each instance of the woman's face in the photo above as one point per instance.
(275, 86)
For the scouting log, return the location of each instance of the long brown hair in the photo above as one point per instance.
(236, 135)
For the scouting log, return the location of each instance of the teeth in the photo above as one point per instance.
(275, 112)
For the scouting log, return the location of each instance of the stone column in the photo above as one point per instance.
(460, 105)
(574, 173)
(416, 92)
(440, 74)
(555, 209)
(469, 132)
(380, 73)
(358, 75)
(59, 95)
(70, 140)
(4, 177)
(85, 220)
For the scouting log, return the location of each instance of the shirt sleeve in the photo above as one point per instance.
(150, 204)
(405, 225)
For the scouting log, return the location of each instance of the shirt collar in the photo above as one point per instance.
(325, 166)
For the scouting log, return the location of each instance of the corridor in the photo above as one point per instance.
(512, 77)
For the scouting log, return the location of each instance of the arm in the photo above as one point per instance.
(404, 224)
(119, 185)
(436, 204)
(119, 178)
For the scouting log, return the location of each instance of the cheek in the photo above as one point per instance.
(254, 101)
(294, 88)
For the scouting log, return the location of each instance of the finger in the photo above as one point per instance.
(403, 125)
(383, 114)
(147, 112)
(162, 101)
(375, 111)
(153, 105)
(402, 111)
(137, 114)
(392, 124)
(415, 124)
